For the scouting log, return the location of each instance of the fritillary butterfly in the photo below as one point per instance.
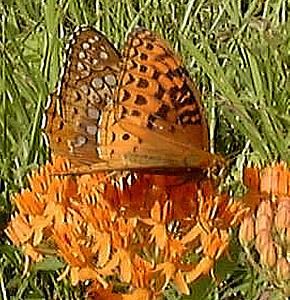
(139, 112)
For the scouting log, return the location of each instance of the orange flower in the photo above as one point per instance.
(19, 230)
(28, 203)
(139, 294)
(97, 292)
(215, 243)
(109, 230)
(202, 268)
(142, 272)
(120, 263)
(252, 179)
(174, 249)
(78, 274)
(169, 271)
(158, 223)
(275, 179)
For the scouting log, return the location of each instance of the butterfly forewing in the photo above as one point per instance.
(158, 120)
(85, 91)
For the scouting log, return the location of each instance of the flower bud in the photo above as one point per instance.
(282, 219)
(265, 208)
(263, 238)
(268, 255)
(246, 233)
(283, 269)
(263, 223)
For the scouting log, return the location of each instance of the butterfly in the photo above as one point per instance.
(138, 111)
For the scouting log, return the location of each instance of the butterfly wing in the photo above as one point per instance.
(158, 121)
(85, 91)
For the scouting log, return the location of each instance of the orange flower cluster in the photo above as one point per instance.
(110, 231)
(267, 228)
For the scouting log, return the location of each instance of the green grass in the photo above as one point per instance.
(237, 51)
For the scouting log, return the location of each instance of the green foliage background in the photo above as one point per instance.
(237, 51)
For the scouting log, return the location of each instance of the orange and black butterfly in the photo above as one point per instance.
(137, 111)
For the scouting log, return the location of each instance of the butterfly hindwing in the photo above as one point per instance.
(85, 91)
